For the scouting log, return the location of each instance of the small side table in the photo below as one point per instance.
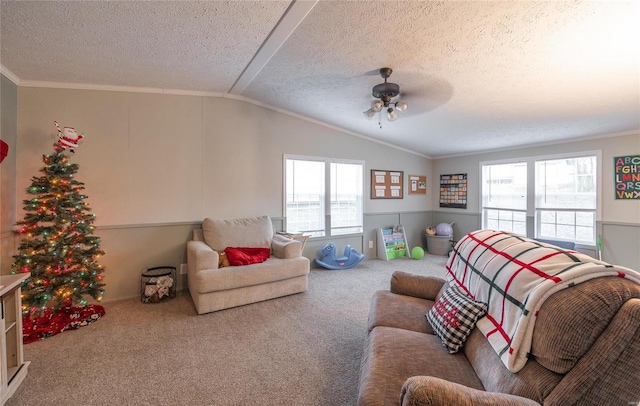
(13, 367)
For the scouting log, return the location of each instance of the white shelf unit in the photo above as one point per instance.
(13, 368)
(392, 243)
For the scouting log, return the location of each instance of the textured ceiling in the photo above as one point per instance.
(478, 75)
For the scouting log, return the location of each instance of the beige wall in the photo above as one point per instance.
(8, 132)
(155, 165)
(152, 158)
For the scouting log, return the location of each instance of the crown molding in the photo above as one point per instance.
(9, 75)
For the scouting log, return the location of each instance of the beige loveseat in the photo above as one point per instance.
(213, 288)
(585, 351)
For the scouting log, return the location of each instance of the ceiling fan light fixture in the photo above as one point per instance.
(383, 93)
(369, 114)
(377, 105)
(392, 115)
(402, 106)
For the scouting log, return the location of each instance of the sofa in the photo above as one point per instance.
(213, 288)
(584, 348)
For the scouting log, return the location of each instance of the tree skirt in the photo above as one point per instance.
(52, 323)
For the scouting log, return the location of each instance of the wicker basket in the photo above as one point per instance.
(158, 284)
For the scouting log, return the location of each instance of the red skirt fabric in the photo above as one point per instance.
(52, 323)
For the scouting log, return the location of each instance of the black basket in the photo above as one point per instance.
(158, 284)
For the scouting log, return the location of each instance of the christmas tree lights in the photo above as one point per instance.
(57, 246)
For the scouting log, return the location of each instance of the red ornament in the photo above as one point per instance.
(4, 150)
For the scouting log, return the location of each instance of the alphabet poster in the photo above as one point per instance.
(627, 177)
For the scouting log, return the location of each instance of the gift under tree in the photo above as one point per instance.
(58, 248)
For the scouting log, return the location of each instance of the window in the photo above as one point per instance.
(557, 195)
(346, 198)
(504, 197)
(320, 189)
(305, 196)
(566, 199)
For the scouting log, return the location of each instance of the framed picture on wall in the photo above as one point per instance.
(387, 184)
(417, 185)
(453, 191)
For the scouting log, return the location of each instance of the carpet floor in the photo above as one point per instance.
(303, 349)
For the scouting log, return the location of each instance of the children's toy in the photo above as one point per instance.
(328, 258)
(445, 229)
(417, 253)
(222, 259)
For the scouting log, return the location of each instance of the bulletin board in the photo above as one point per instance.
(627, 177)
(386, 184)
(453, 191)
(417, 185)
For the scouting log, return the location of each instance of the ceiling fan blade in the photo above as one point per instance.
(375, 72)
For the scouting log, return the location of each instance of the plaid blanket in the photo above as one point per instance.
(514, 275)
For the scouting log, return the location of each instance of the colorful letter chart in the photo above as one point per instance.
(453, 191)
(627, 177)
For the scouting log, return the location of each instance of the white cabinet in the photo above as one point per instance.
(13, 369)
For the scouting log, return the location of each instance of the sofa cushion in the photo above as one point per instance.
(570, 321)
(273, 269)
(425, 287)
(400, 311)
(284, 247)
(533, 381)
(454, 316)
(393, 355)
(428, 390)
(246, 232)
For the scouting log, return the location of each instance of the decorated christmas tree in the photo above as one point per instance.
(57, 246)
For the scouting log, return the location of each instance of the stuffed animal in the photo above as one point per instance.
(223, 260)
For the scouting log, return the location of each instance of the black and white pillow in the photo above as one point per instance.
(454, 316)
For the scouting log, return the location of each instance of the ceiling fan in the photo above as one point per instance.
(384, 92)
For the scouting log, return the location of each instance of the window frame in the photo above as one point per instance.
(532, 225)
(327, 191)
(512, 210)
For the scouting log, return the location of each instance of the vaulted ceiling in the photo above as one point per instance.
(479, 75)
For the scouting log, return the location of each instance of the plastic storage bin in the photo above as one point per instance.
(158, 284)
(439, 244)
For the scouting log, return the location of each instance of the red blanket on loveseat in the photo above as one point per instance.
(246, 255)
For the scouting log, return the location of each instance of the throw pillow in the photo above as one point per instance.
(453, 317)
(245, 232)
